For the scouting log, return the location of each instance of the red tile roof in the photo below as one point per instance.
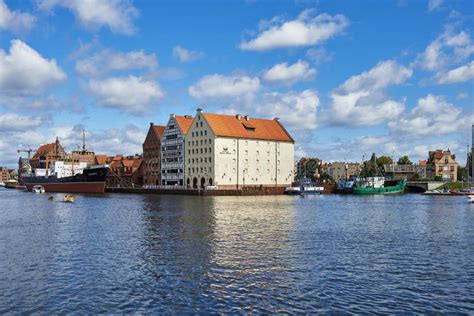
(184, 123)
(44, 150)
(101, 159)
(159, 130)
(231, 126)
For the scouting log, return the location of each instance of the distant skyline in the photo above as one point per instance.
(347, 78)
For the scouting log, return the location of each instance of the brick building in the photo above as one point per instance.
(152, 155)
(45, 155)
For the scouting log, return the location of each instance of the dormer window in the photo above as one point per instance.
(248, 126)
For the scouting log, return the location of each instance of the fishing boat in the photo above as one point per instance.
(388, 187)
(38, 189)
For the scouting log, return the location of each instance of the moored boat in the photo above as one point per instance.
(388, 187)
(470, 198)
(293, 191)
(87, 180)
(38, 189)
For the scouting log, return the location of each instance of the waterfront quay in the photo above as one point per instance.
(165, 254)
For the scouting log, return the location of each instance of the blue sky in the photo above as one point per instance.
(347, 78)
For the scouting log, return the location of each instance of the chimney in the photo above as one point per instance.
(199, 110)
(151, 123)
(247, 118)
(237, 116)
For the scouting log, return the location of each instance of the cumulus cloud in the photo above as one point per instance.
(117, 15)
(306, 30)
(15, 21)
(23, 71)
(129, 94)
(433, 115)
(448, 48)
(107, 61)
(460, 74)
(360, 101)
(220, 86)
(15, 122)
(185, 56)
(289, 74)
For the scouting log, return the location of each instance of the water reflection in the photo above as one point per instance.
(162, 254)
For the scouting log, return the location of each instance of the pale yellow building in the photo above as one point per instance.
(442, 164)
(229, 152)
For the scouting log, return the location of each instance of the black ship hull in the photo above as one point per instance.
(90, 181)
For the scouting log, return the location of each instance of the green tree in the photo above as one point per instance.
(404, 160)
(369, 168)
(383, 160)
(462, 173)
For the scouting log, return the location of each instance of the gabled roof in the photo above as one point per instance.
(159, 130)
(236, 126)
(101, 159)
(184, 123)
(44, 150)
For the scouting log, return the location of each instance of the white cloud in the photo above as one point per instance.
(462, 96)
(115, 14)
(360, 101)
(219, 86)
(15, 21)
(129, 94)
(297, 110)
(434, 5)
(185, 55)
(432, 116)
(448, 48)
(107, 61)
(289, 74)
(460, 74)
(15, 122)
(23, 71)
(306, 30)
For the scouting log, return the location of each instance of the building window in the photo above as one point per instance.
(201, 124)
(197, 124)
(210, 150)
(210, 159)
(205, 133)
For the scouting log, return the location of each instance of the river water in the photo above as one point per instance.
(180, 254)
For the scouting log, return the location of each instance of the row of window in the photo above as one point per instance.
(202, 169)
(205, 159)
(203, 141)
(203, 151)
(197, 133)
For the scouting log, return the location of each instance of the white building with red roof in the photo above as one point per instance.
(233, 151)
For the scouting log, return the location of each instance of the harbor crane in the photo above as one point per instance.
(28, 150)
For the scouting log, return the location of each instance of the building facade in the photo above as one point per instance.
(344, 170)
(4, 174)
(442, 164)
(152, 155)
(47, 154)
(173, 150)
(232, 152)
